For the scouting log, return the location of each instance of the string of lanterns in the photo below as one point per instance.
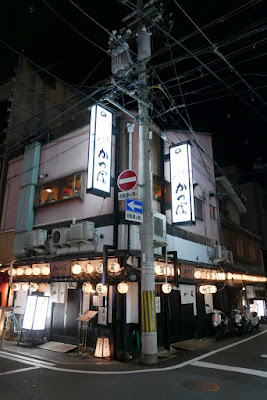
(28, 271)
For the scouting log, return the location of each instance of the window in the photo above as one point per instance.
(157, 189)
(199, 208)
(62, 189)
(212, 212)
(252, 253)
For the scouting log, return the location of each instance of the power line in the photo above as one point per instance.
(216, 50)
(72, 27)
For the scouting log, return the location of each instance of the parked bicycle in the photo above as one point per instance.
(13, 325)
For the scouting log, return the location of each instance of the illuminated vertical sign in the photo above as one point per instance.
(29, 312)
(182, 196)
(40, 313)
(99, 154)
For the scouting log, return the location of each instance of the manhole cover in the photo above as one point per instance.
(201, 386)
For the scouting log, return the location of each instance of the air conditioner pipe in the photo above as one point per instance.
(54, 223)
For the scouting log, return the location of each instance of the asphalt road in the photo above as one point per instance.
(235, 369)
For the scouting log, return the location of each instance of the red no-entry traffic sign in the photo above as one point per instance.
(127, 180)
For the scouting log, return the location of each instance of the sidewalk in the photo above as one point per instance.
(84, 361)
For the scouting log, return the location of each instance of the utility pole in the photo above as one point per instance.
(149, 322)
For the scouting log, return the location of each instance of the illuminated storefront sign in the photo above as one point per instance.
(183, 208)
(207, 289)
(35, 313)
(29, 312)
(40, 313)
(99, 159)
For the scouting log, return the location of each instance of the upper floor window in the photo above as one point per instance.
(157, 191)
(212, 212)
(199, 208)
(65, 188)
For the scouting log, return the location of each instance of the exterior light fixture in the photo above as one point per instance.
(33, 287)
(159, 269)
(25, 286)
(87, 287)
(16, 287)
(170, 271)
(197, 274)
(14, 272)
(229, 276)
(42, 287)
(36, 270)
(99, 268)
(167, 288)
(220, 276)
(89, 268)
(101, 289)
(76, 269)
(207, 289)
(46, 270)
(20, 271)
(28, 271)
(122, 287)
(114, 267)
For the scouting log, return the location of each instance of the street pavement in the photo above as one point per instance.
(235, 368)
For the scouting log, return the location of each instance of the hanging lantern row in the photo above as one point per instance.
(160, 270)
(25, 286)
(77, 269)
(102, 289)
(28, 271)
(222, 276)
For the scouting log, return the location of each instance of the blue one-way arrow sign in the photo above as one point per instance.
(134, 206)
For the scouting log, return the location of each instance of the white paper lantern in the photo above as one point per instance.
(160, 269)
(197, 274)
(36, 271)
(14, 272)
(114, 267)
(45, 270)
(123, 287)
(178, 271)
(28, 271)
(89, 268)
(170, 271)
(33, 287)
(25, 286)
(166, 288)
(87, 287)
(76, 269)
(99, 268)
(101, 289)
(16, 287)
(42, 287)
(20, 271)
(207, 289)
(229, 276)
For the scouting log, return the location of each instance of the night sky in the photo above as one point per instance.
(239, 131)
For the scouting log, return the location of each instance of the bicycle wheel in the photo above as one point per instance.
(9, 335)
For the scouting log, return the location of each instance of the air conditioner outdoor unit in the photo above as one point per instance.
(219, 253)
(60, 236)
(82, 232)
(229, 257)
(159, 229)
(36, 238)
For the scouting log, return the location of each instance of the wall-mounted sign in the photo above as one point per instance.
(102, 316)
(182, 197)
(187, 271)
(40, 313)
(60, 268)
(29, 312)
(99, 153)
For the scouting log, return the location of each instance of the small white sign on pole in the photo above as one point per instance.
(157, 304)
(130, 194)
(131, 216)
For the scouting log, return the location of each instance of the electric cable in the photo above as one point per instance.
(216, 50)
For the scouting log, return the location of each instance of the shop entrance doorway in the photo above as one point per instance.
(64, 327)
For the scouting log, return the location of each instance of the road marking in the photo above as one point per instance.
(264, 355)
(25, 360)
(248, 371)
(143, 371)
(15, 371)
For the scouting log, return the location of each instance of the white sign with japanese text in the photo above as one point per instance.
(40, 313)
(183, 208)
(99, 160)
(29, 312)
